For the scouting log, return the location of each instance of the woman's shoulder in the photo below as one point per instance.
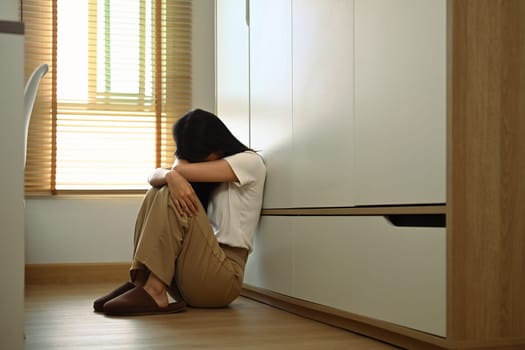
(248, 156)
(249, 160)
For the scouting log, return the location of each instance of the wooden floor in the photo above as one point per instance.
(61, 317)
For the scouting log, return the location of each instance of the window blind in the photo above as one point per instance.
(120, 75)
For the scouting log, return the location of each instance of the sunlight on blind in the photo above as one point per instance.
(105, 153)
(72, 37)
(112, 147)
(119, 77)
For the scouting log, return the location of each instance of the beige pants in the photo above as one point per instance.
(184, 251)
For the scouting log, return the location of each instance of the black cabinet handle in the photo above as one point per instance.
(417, 220)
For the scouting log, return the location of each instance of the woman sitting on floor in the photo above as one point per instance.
(195, 254)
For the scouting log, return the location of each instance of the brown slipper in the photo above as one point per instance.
(137, 302)
(98, 304)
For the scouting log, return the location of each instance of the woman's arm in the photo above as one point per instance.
(179, 177)
(182, 173)
(209, 171)
(158, 178)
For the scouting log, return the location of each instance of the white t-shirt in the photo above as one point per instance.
(234, 207)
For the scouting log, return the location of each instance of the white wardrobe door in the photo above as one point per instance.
(322, 40)
(270, 265)
(232, 67)
(271, 95)
(400, 101)
(369, 267)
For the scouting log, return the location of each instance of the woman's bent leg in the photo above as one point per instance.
(183, 252)
(208, 274)
(159, 232)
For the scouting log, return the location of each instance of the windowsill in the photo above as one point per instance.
(87, 194)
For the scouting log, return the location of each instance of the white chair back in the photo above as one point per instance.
(30, 93)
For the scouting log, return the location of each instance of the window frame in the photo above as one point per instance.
(159, 105)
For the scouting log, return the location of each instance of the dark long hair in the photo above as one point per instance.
(197, 135)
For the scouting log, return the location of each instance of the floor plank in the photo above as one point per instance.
(61, 317)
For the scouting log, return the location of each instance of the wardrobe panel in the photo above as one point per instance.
(270, 265)
(400, 101)
(232, 67)
(366, 266)
(322, 42)
(271, 95)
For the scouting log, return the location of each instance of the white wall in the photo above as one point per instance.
(11, 184)
(80, 229)
(100, 229)
(9, 10)
(203, 54)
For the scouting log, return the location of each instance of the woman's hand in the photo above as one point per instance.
(158, 178)
(182, 193)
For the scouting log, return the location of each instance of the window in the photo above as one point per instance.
(119, 77)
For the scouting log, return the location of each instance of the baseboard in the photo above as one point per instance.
(406, 338)
(70, 273)
(400, 336)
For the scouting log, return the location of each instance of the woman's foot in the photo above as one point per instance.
(138, 301)
(157, 290)
(151, 298)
